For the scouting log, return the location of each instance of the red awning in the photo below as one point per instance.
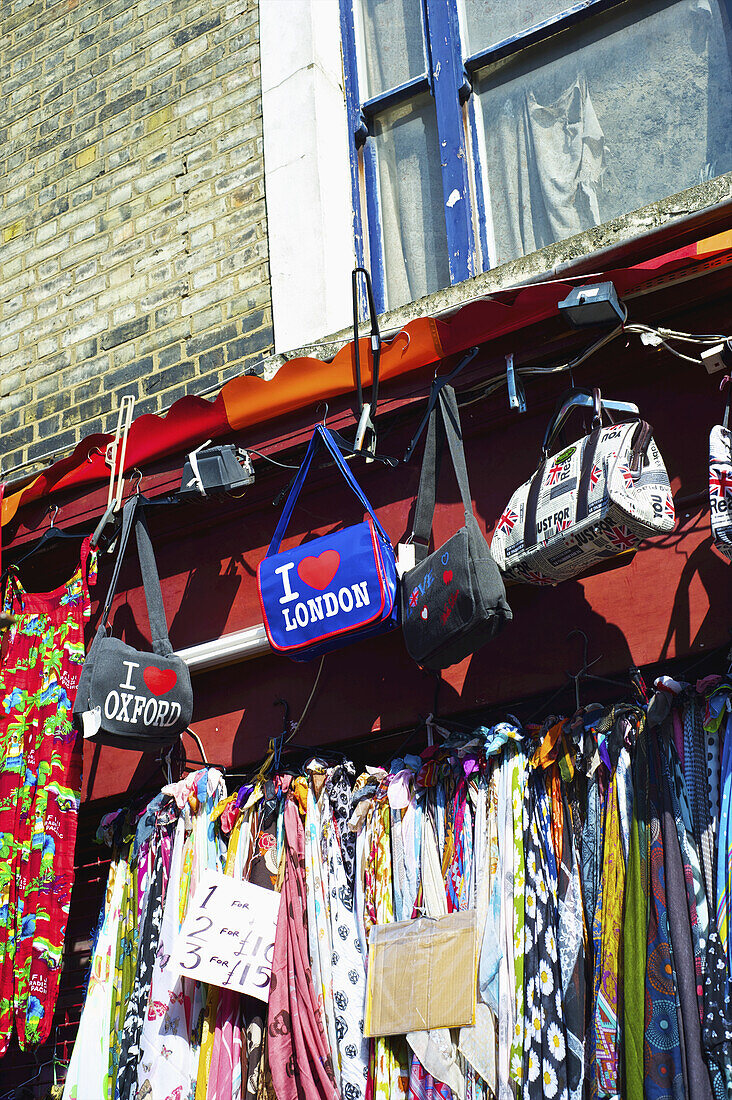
(304, 382)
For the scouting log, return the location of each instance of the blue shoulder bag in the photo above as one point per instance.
(333, 590)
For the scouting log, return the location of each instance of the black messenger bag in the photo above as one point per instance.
(126, 697)
(453, 600)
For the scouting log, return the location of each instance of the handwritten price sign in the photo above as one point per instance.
(227, 937)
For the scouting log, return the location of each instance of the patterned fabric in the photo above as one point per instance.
(318, 927)
(338, 789)
(389, 1070)
(299, 1059)
(125, 963)
(515, 951)
(678, 880)
(348, 964)
(87, 1077)
(717, 1029)
(607, 991)
(662, 1067)
(136, 1005)
(40, 788)
(634, 931)
(544, 1062)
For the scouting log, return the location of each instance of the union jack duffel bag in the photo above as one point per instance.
(595, 499)
(720, 481)
(333, 590)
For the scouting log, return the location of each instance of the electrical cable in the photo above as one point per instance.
(301, 719)
(267, 458)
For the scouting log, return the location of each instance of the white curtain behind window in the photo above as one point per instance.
(549, 161)
(622, 110)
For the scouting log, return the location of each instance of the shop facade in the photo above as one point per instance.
(664, 609)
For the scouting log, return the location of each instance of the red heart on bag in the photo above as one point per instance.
(447, 576)
(319, 572)
(159, 680)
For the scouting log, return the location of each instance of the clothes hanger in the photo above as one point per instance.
(584, 674)
(576, 678)
(51, 534)
(438, 383)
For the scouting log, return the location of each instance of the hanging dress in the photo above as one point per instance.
(40, 789)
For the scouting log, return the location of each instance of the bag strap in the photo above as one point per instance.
(532, 504)
(128, 517)
(444, 424)
(132, 515)
(320, 435)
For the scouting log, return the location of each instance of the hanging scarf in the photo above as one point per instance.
(662, 1067)
(717, 1029)
(124, 967)
(635, 927)
(87, 1077)
(477, 1044)
(389, 1070)
(348, 964)
(697, 1083)
(544, 1062)
(152, 916)
(318, 927)
(299, 1059)
(607, 962)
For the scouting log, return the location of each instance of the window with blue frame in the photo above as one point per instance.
(483, 130)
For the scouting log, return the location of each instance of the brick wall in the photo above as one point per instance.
(133, 239)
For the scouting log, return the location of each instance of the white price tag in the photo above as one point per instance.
(227, 937)
(405, 557)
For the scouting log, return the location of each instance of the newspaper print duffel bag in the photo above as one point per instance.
(720, 482)
(595, 499)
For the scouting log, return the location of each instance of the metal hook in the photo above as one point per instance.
(325, 414)
(136, 472)
(54, 512)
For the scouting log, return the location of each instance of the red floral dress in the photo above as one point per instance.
(40, 788)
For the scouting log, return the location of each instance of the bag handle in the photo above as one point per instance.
(444, 425)
(320, 435)
(132, 515)
(584, 399)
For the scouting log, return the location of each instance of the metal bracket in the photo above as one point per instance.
(516, 394)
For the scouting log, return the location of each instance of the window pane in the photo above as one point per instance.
(412, 206)
(393, 43)
(490, 21)
(625, 110)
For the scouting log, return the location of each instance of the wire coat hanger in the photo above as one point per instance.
(438, 383)
(51, 534)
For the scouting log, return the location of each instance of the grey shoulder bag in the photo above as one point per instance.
(126, 697)
(453, 600)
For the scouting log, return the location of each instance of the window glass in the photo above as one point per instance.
(487, 22)
(393, 43)
(411, 197)
(621, 111)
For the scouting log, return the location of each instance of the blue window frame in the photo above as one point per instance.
(481, 131)
(379, 109)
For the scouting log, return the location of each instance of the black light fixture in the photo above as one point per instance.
(594, 304)
(215, 471)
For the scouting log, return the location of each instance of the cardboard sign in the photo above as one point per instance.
(227, 937)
